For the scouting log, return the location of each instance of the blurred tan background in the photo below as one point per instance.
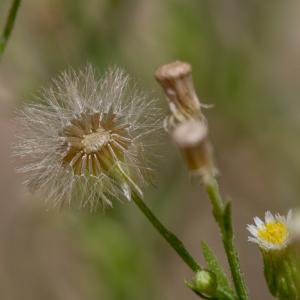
(246, 61)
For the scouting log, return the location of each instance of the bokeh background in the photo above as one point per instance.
(246, 61)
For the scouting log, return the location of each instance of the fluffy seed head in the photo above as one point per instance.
(271, 234)
(86, 140)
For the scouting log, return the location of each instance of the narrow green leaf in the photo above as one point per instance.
(9, 25)
(224, 289)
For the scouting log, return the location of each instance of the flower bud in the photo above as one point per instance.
(204, 282)
(177, 82)
(191, 137)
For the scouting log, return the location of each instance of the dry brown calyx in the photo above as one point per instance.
(93, 142)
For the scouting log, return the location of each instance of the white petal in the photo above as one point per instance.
(289, 216)
(258, 222)
(269, 217)
(252, 229)
(253, 240)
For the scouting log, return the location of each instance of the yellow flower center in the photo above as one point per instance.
(274, 233)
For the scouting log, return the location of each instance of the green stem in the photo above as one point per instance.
(9, 25)
(222, 214)
(172, 240)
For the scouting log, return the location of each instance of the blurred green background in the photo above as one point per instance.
(246, 61)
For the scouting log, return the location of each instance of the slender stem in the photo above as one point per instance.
(172, 240)
(9, 25)
(222, 216)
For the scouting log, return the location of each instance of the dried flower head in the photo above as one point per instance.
(191, 137)
(86, 141)
(177, 82)
(271, 234)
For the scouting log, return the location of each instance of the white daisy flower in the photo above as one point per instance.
(86, 141)
(271, 234)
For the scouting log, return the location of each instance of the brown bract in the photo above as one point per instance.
(93, 142)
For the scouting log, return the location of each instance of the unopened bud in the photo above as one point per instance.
(191, 137)
(204, 282)
(177, 82)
